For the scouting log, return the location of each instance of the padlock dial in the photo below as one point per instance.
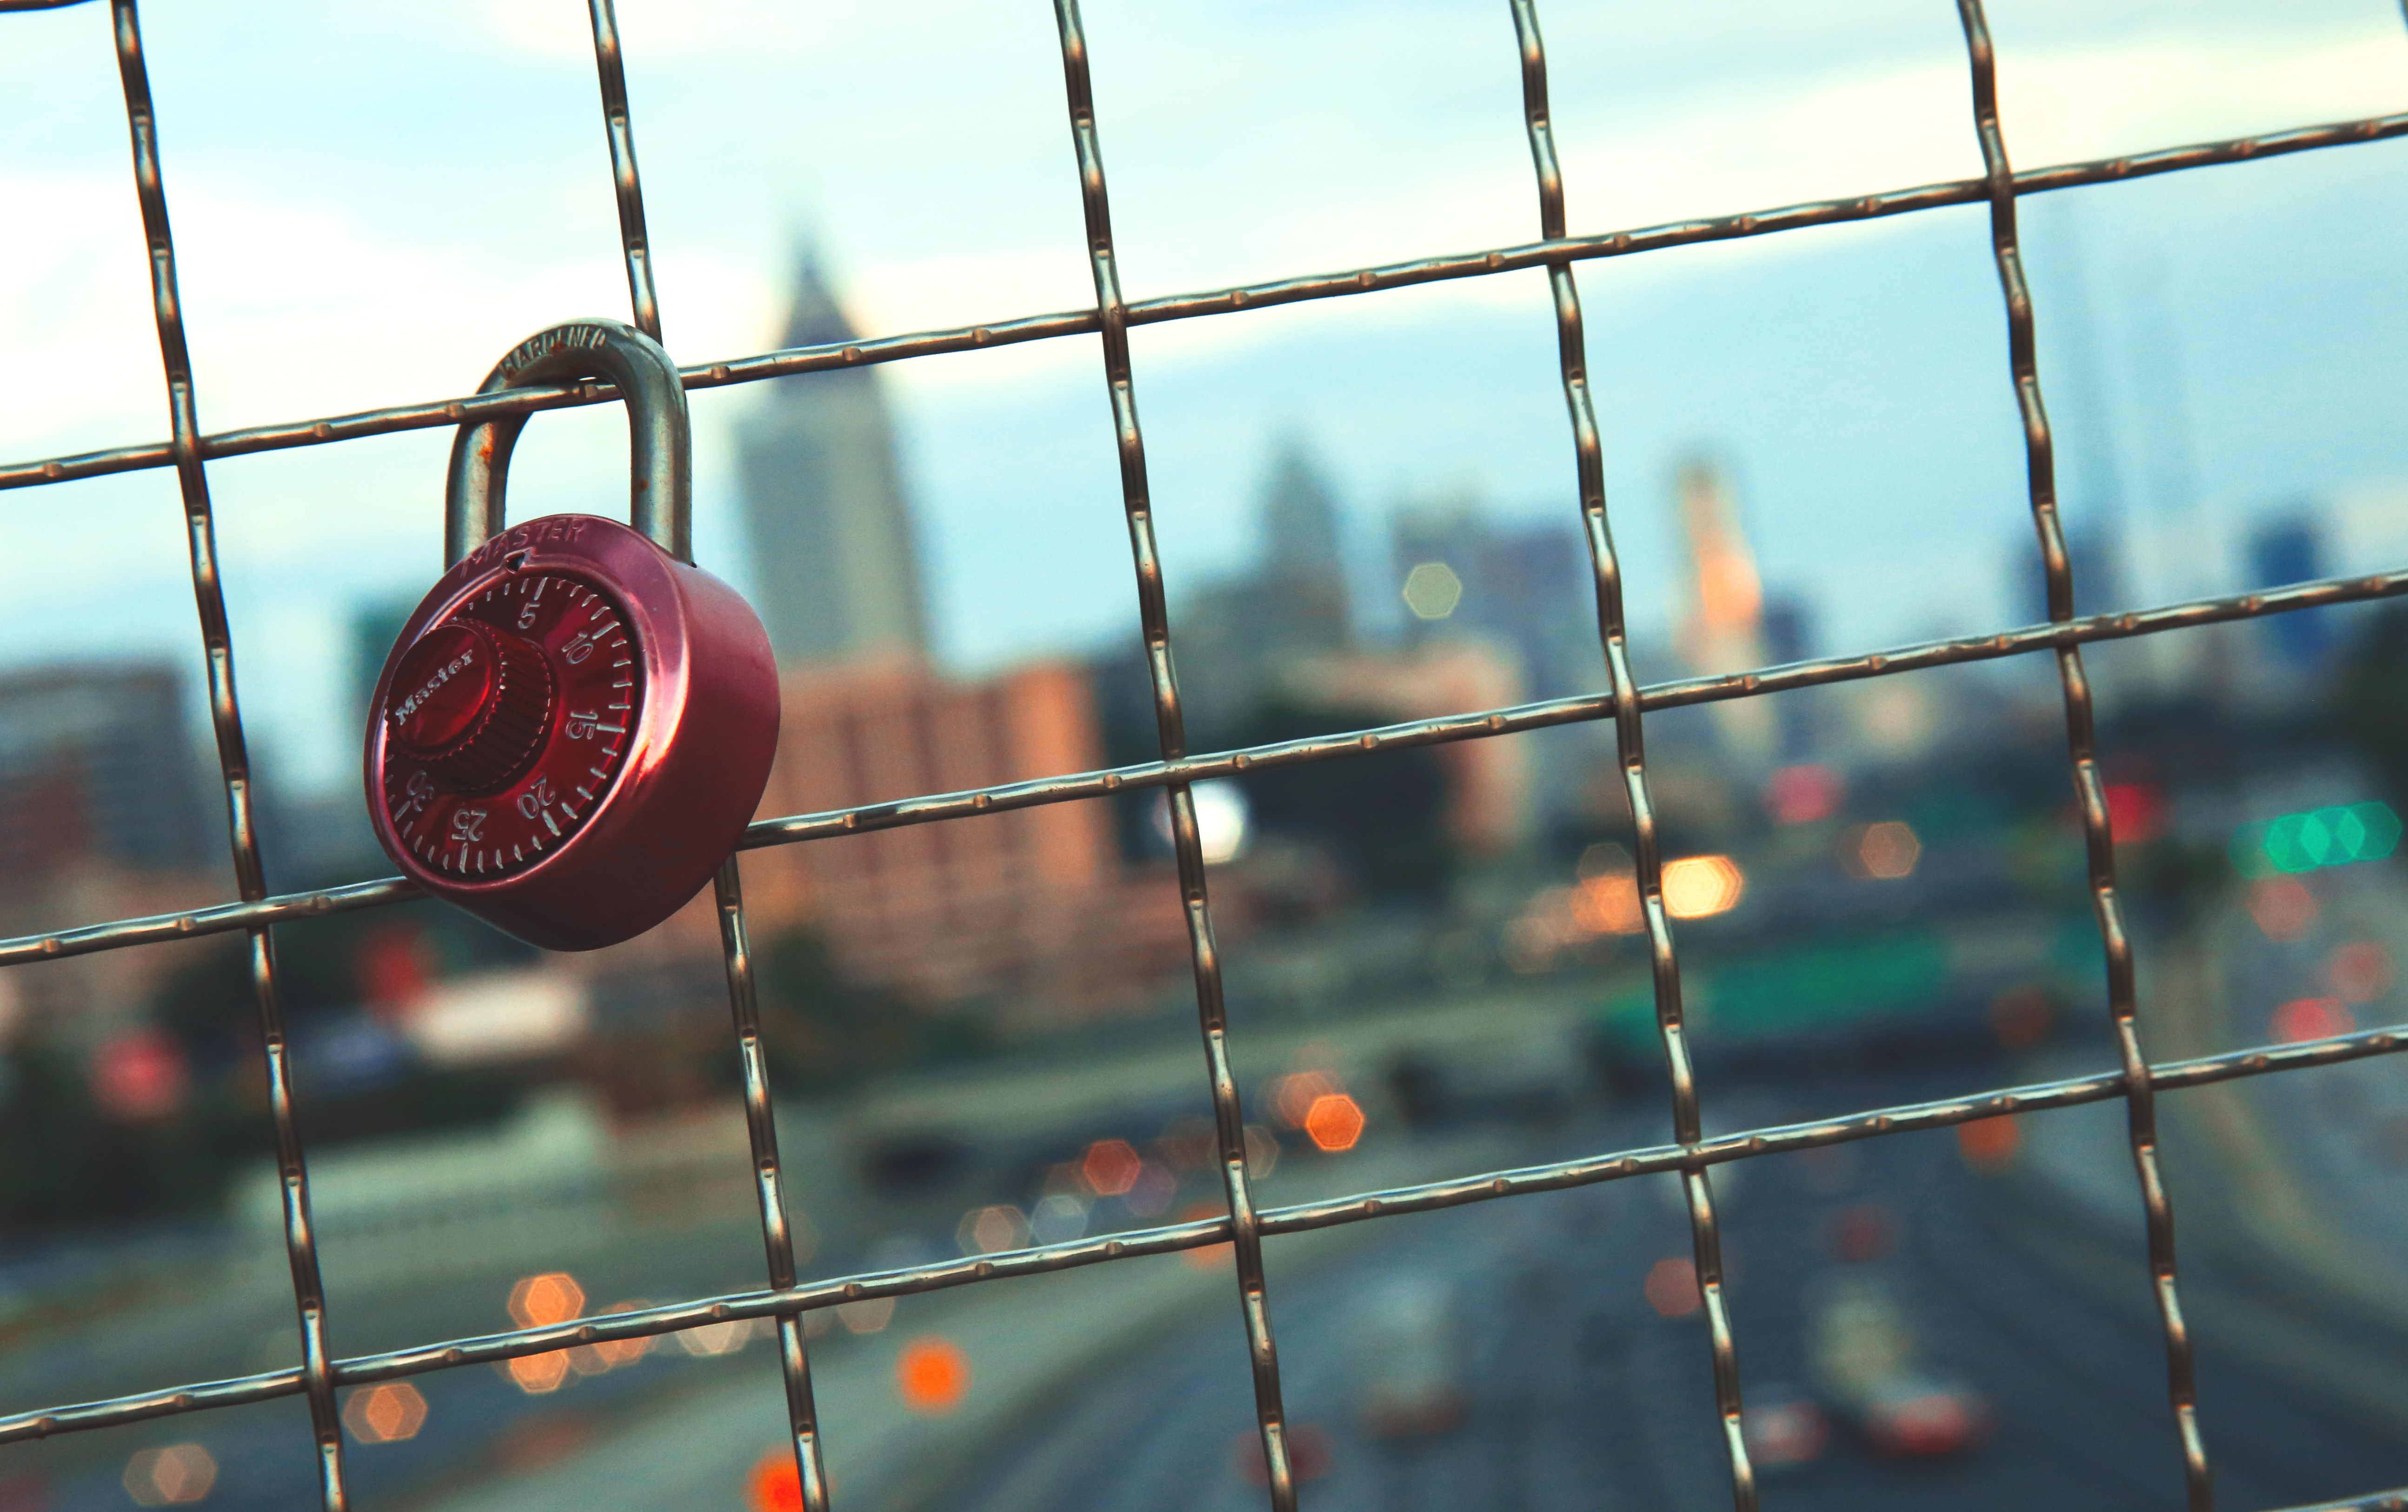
(571, 733)
(508, 723)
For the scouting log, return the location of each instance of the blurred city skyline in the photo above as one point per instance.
(2193, 339)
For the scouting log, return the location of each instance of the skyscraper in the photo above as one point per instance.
(836, 567)
(1723, 631)
(1303, 568)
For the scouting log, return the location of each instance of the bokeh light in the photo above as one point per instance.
(2136, 812)
(1890, 850)
(1334, 1122)
(2360, 971)
(1263, 1150)
(1988, 1144)
(1057, 1220)
(1111, 1167)
(2282, 907)
(983, 1231)
(1297, 1093)
(2311, 1017)
(540, 1301)
(1699, 887)
(712, 1340)
(1608, 904)
(1803, 794)
(538, 1375)
(2334, 836)
(168, 1477)
(867, 1316)
(612, 1353)
(932, 1374)
(1152, 1191)
(774, 1484)
(1671, 1287)
(385, 1413)
(1432, 590)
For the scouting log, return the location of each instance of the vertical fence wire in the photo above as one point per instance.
(1705, 1230)
(234, 759)
(1170, 723)
(610, 64)
(2079, 722)
(727, 886)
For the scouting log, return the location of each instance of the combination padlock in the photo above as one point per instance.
(576, 724)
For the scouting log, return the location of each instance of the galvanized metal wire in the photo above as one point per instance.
(1647, 851)
(2089, 787)
(234, 759)
(1691, 1154)
(1171, 727)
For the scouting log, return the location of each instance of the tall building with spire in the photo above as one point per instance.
(1304, 569)
(835, 565)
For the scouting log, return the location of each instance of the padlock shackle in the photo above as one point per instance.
(660, 436)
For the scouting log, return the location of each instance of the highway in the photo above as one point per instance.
(1127, 1385)
(1582, 1396)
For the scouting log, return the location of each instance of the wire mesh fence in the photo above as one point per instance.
(1692, 1156)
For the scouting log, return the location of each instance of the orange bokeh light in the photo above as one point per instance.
(1990, 1143)
(614, 1353)
(540, 1301)
(165, 1477)
(1608, 904)
(1111, 1167)
(1699, 887)
(933, 1373)
(1671, 1287)
(774, 1485)
(539, 1375)
(385, 1413)
(1209, 1255)
(2311, 1017)
(1333, 1123)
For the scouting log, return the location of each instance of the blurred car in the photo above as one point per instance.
(1862, 1352)
(1922, 1414)
(1409, 1335)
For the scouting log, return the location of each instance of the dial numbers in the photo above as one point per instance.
(599, 696)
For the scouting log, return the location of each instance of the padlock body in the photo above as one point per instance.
(571, 733)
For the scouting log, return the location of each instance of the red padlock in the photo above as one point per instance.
(576, 723)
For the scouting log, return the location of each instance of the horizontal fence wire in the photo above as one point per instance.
(1424, 1197)
(1531, 255)
(1442, 730)
(1693, 1154)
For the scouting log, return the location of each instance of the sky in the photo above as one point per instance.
(372, 204)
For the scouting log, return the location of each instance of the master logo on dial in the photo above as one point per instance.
(508, 723)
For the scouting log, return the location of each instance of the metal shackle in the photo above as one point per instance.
(660, 436)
